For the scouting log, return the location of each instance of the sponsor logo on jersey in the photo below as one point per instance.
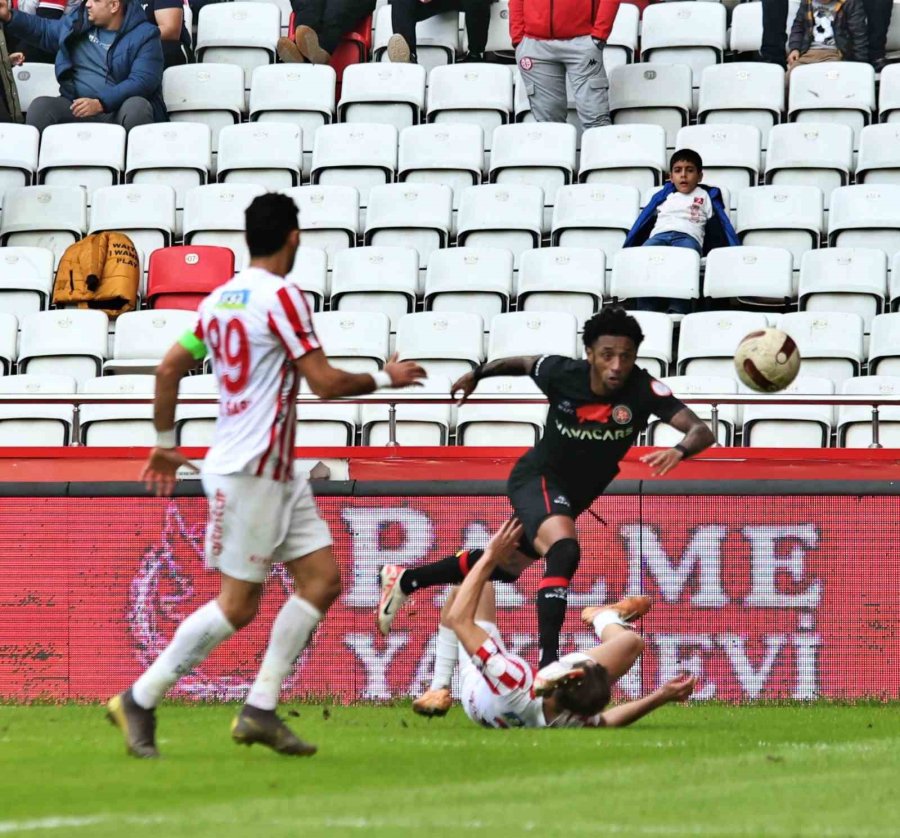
(565, 406)
(562, 500)
(233, 299)
(593, 413)
(598, 434)
(621, 414)
(660, 389)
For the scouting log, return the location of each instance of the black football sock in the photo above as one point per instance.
(551, 613)
(447, 571)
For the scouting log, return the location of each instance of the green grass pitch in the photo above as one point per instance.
(711, 770)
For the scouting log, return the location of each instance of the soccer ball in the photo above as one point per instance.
(767, 360)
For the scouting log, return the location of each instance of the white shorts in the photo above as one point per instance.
(255, 521)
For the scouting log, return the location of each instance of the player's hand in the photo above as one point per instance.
(83, 108)
(17, 59)
(504, 542)
(793, 57)
(465, 385)
(404, 373)
(159, 471)
(678, 689)
(662, 462)
(5, 12)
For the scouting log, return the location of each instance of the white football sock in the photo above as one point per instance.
(446, 651)
(290, 634)
(191, 644)
(608, 617)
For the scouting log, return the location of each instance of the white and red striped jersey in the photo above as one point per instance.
(254, 327)
(509, 700)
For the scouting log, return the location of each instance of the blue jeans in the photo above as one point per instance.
(663, 304)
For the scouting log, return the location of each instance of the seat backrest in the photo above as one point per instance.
(353, 333)
(45, 208)
(375, 270)
(845, 85)
(641, 86)
(624, 146)
(672, 272)
(416, 205)
(804, 145)
(187, 269)
(65, 332)
(533, 333)
(737, 146)
(326, 207)
(851, 270)
(441, 334)
(170, 145)
(683, 24)
(546, 144)
(715, 334)
(91, 144)
(149, 334)
(218, 206)
(442, 146)
(239, 24)
(825, 334)
(470, 87)
(134, 206)
(383, 83)
(354, 145)
(741, 85)
(779, 207)
(501, 207)
(748, 271)
(869, 205)
(293, 87)
(204, 87)
(260, 145)
(476, 269)
(596, 205)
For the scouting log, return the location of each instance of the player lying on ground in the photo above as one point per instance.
(597, 409)
(259, 330)
(499, 689)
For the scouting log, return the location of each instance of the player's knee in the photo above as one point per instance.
(562, 559)
(241, 612)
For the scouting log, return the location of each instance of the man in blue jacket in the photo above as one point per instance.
(684, 213)
(109, 63)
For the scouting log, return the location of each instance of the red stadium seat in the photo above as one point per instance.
(180, 277)
(354, 48)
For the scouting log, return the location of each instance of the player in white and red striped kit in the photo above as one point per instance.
(258, 329)
(499, 689)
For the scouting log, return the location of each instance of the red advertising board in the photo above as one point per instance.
(764, 597)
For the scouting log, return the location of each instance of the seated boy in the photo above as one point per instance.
(828, 31)
(684, 213)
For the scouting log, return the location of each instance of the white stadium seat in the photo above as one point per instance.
(470, 279)
(9, 329)
(484, 424)
(594, 215)
(655, 352)
(89, 155)
(867, 215)
(417, 215)
(791, 425)
(522, 106)
(854, 424)
(18, 156)
(884, 345)
(690, 386)
(730, 153)
(357, 341)
(383, 93)
(626, 155)
(437, 38)
(791, 217)
(36, 423)
(499, 40)
(810, 154)
(268, 154)
(298, 94)
(844, 279)
(445, 343)
(359, 155)
(125, 423)
(879, 155)
(329, 217)
(746, 30)
(310, 272)
(622, 43)
(416, 424)
(26, 280)
(889, 93)
(642, 94)
(566, 279)
(742, 94)
(34, 80)
(239, 33)
(500, 215)
(708, 340)
(757, 275)
(145, 212)
(214, 215)
(44, 216)
(195, 423)
(376, 279)
(841, 92)
(533, 333)
(64, 342)
(325, 424)
(143, 337)
(209, 93)
(672, 272)
(830, 343)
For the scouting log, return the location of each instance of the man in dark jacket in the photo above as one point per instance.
(828, 30)
(109, 64)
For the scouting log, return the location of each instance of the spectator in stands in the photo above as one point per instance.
(878, 16)
(828, 30)
(109, 64)
(50, 9)
(774, 34)
(320, 26)
(684, 213)
(168, 15)
(559, 38)
(405, 14)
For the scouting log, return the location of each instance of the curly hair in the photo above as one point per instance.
(613, 321)
(585, 696)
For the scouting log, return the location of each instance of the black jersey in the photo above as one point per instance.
(586, 435)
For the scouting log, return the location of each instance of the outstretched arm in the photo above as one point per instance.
(678, 689)
(697, 437)
(461, 616)
(329, 382)
(521, 365)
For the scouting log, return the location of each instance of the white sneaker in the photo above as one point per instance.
(392, 598)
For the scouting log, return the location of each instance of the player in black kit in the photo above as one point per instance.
(597, 409)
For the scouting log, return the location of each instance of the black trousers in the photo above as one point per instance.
(774, 39)
(405, 14)
(331, 19)
(878, 14)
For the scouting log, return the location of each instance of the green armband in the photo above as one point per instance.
(194, 345)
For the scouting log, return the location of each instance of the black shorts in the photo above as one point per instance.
(536, 496)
